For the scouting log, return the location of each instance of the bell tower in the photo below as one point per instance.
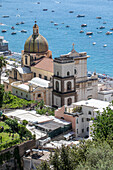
(35, 29)
(64, 81)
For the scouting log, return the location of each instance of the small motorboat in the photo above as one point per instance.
(104, 22)
(67, 26)
(17, 23)
(3, 31)
(81, 31)
(52, 11)
(84, 25)
(12, 28)
(5, 16)
(102, 27)
(24, 31)
(94, 43)
(38, 2)
(108, 33)
(22, 22)
(105, 45)
(99, 32)
(45, 9)
(13, 33)
(89, 33)
(111, 28)
(89, 36)
(71, 11)
(80, 15)
(55, 24)
(98, 17)
(52, 21)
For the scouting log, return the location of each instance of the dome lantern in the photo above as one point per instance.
(35, 29)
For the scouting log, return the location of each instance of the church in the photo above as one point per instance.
(60, 81)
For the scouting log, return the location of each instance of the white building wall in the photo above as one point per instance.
(81, 67)
(21, 93)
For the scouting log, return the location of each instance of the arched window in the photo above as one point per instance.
(57, 73)
(68, 85)
(68, 73)
(57, 85)
(75, 71)
(69, 101)
(26, 60)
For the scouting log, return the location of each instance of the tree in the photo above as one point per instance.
(103, 125)
(44, 166)
(13, 124)
(41, 104)
(2, 64)
(1, 94)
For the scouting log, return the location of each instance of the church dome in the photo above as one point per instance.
(36, 43)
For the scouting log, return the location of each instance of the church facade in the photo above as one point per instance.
(67, 74)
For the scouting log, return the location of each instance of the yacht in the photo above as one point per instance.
(94, 43)
(13, 33)
(84, 25)
(111, 28)
(105, 45)
(98, 17)
(12, 28)
(108, 33)
(80, 15)
(5, 16)
(24, 31)
(89, 33)
(102, 27)
(3, 31)
(55, 24)
(81, 31)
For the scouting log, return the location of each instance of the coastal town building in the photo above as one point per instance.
(70, 81)
(3, 46)
(80, 113)
(67, 74)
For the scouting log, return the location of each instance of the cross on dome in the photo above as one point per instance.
(73, 45)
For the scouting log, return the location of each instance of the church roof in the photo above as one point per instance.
(40, 82)
(23, 70)
(45, 64)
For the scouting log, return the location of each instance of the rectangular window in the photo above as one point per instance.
(87, 129)
(77, 86)
(82, 130)
(89, 84)
(34, 74)
(39, 95)
(82, 119)
(40, 76)
(45, 77)
(77, 131)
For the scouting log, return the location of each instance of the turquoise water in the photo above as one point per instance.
(60, 40)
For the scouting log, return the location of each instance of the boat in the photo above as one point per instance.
(13, 33)
(4, 31)
(108, 33)
(105, 45)
(80, 15)
(52, 11)
(55, 24)
(38, 2)
(111, 28)
(5, 16)
(17, 23)
(22, 22)
(98, 17)
(99, 32)
(81, 31)
(89, 36)
(52, 21)
(102, 27)
(12, 28)
(67, 26)
(24, 31)
(71, 11)
(89, 33)
(45, 9)
(104, 22)
(84, 25)
(94, 43)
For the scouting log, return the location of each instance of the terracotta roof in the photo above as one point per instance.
(45, 64)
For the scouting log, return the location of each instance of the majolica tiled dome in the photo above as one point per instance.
(36, 43)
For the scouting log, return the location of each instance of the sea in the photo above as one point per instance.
(60, 38)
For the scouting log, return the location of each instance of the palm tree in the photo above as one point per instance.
(2, 64)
